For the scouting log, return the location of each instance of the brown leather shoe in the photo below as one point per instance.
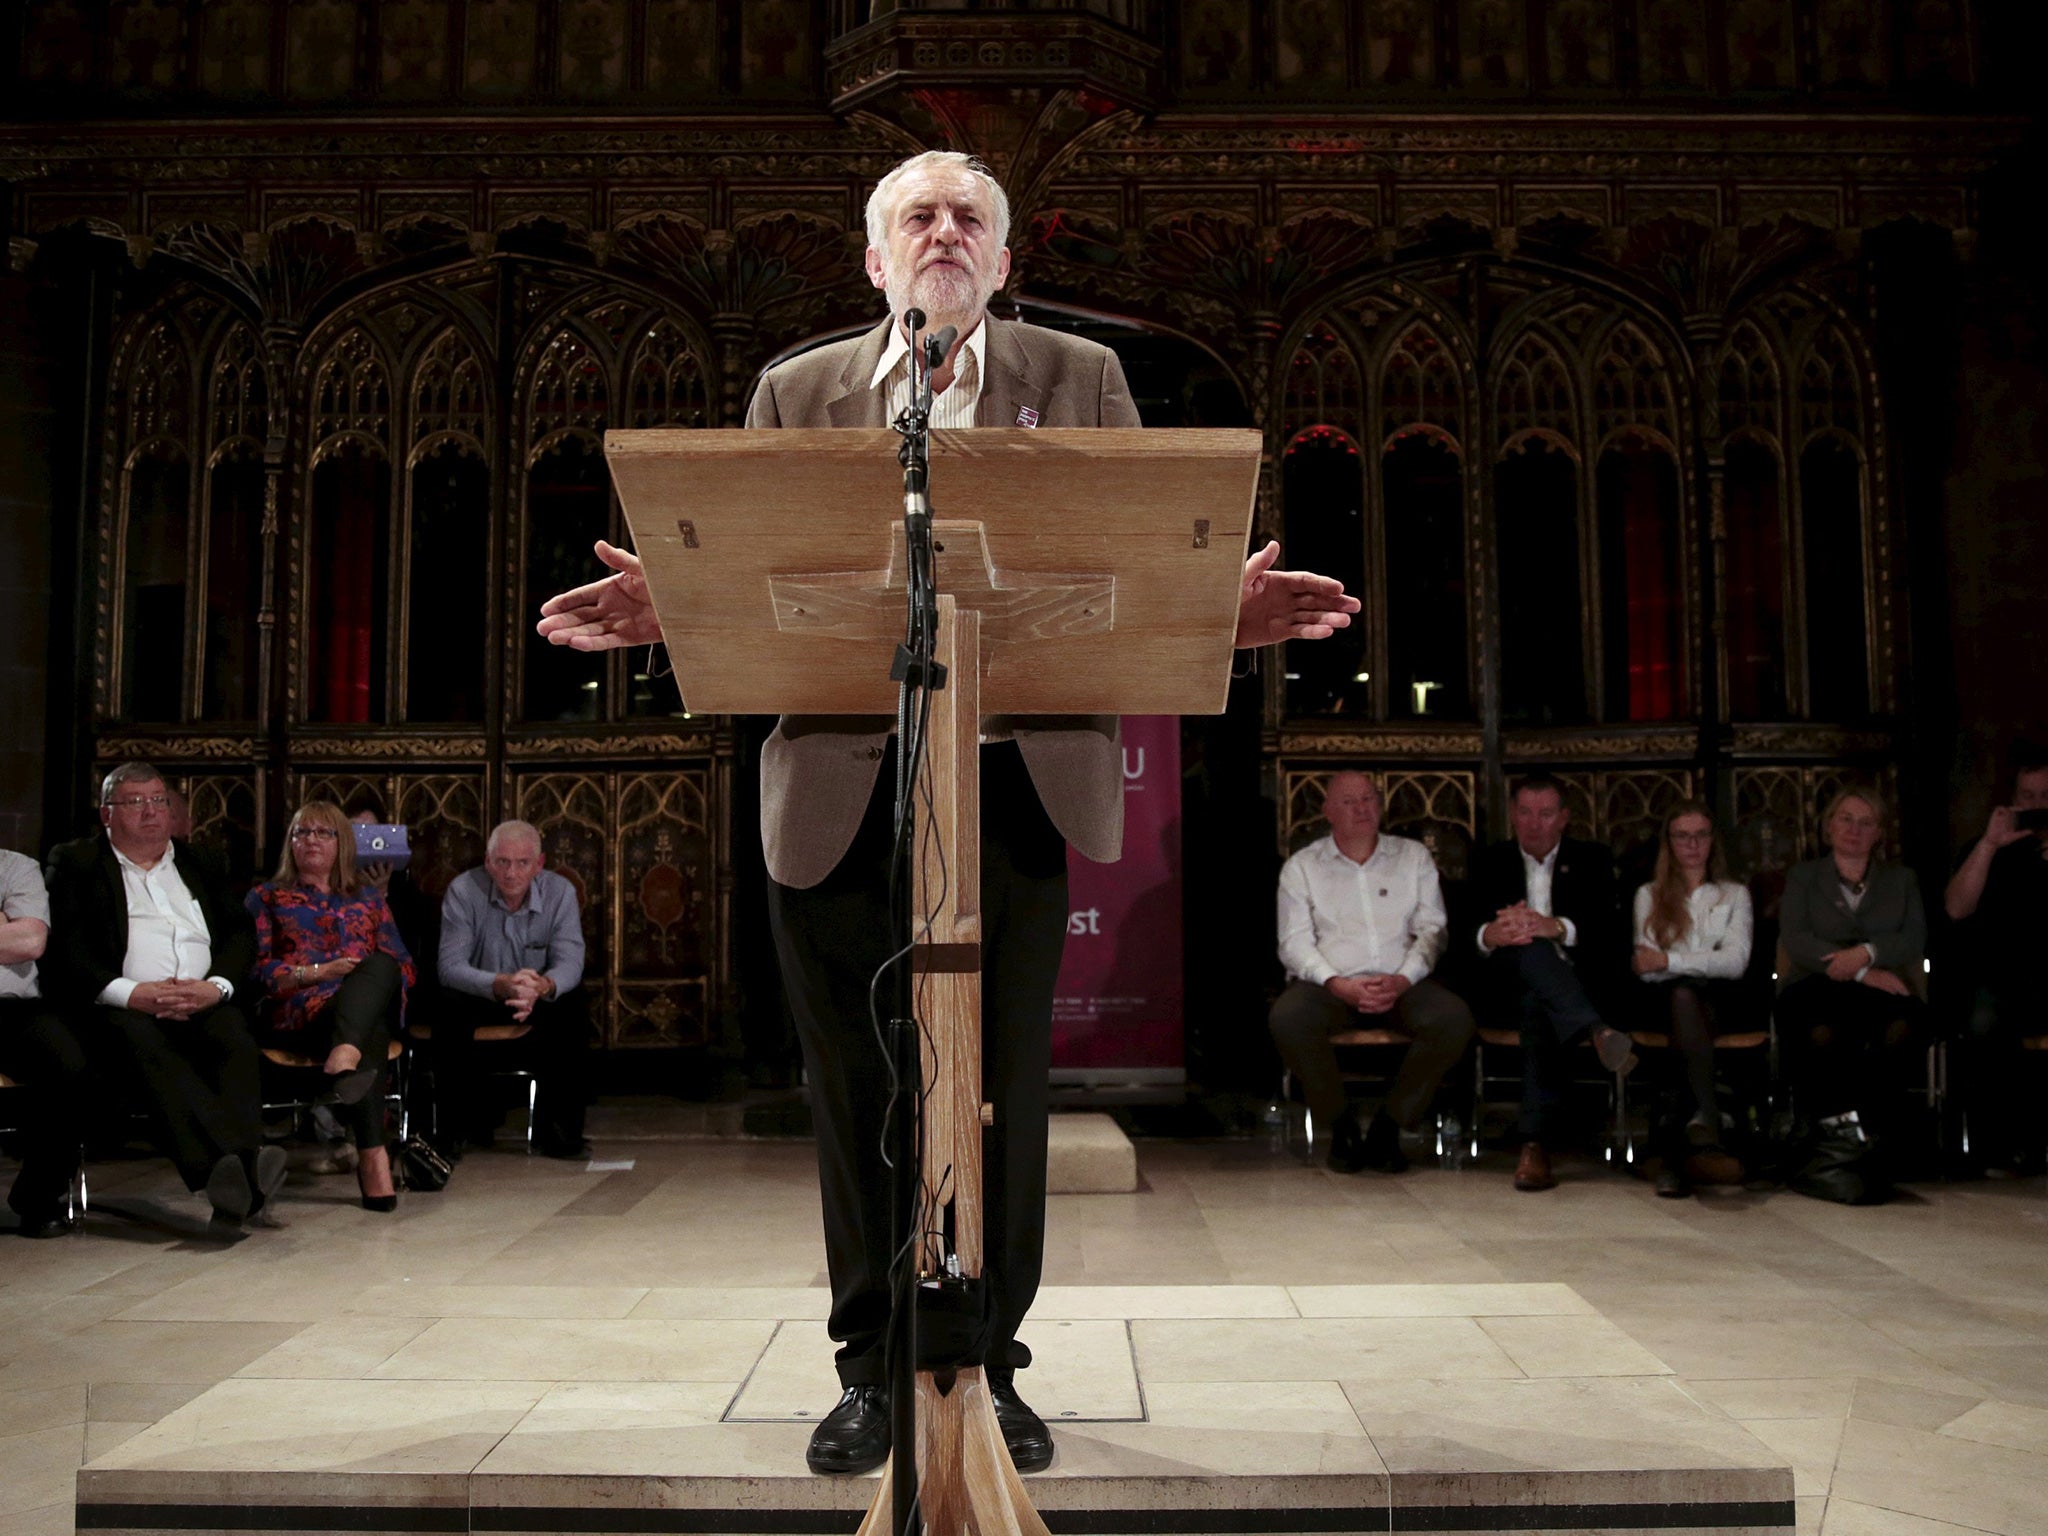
(1713, 1165)
(1532, 1169)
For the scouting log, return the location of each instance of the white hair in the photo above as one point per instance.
(506, 831)
(882, 200)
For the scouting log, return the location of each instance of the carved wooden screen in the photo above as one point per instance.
(344, 581)
(1539, 536)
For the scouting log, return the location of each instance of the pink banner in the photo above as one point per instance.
(1116, 1013)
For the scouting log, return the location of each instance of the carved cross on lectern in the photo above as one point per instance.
(1014, 605)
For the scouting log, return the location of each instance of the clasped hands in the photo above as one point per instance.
(1368, 994)
(1272, 606)
(1521, 924)
(520, 990)
(1843, 964)
(174, 999)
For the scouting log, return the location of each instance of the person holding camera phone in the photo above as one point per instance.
(2000, 894)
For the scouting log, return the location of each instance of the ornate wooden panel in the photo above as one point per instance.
(1778, 810)
(444, 814)
(1624, 807)
(224, 818)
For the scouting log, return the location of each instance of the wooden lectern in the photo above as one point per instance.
(1080, 572)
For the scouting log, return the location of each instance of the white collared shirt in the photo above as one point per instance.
(167, 934)
(962, 398)
(1339, 917)
(1720, 927)
(1536, 875)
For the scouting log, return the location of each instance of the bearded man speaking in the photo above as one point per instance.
(936, 226)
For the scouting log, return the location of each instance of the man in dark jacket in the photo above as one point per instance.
(147, 948)
(1550, 943)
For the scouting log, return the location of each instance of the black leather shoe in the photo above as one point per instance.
(227, 1189)
(266, 1170)
(1382, 1149)
(1347, 1147)
(45, 1226)
(1024, 1432)
(854, 1436)
(563, 1150)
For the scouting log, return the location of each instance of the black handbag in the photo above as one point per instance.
(1843, 1168)
(421, 1168)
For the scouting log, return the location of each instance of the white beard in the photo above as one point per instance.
(947, 295)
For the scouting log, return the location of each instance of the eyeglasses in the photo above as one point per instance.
(137, 802)
(315, 835)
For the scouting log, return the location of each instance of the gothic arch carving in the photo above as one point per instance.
(1534, 396)
(1633, 391)
(351, 396)
(449, 399)
(1422, 386)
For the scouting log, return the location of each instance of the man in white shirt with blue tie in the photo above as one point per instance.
(1362, 924)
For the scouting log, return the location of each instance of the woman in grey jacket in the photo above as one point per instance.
(1854, 934)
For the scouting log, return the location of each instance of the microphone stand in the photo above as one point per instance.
(917, 674)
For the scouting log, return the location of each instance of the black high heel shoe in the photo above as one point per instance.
(384, 1204)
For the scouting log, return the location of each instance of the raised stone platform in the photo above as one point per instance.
(1214, 1409)
(1088, 1154)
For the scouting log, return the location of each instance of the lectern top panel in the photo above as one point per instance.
(1106, 562)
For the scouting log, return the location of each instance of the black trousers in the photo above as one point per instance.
(197, 1079)
(39, 1051)
(830, 940)
(556, 1050)
(1852, 1047)
(1992, 1080)
(363, 1013)
(1554, 1010)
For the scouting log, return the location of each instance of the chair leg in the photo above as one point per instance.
(1478, 1093)
(1625, 1132)
(532, 1102)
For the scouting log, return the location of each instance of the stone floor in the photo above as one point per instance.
(1896, 1357)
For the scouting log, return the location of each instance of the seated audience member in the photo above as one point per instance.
(334, 969)
(2001, 895)
(1693, 931)
(512, 953)
(39, 1052)
(1361, 926)
(1853, 931)
(147, 947)
(1552, 939)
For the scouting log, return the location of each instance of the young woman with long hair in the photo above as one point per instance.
(1693, 931)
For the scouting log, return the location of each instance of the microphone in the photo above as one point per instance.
(913, 320)
(936, 346)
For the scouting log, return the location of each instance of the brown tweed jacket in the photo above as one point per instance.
(818, 771)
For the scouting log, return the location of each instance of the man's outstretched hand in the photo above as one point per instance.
(1273, 605)
(605, 614)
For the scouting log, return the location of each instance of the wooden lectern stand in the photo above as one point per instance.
(1090, 571)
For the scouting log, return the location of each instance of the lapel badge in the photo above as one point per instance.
(1026, 416)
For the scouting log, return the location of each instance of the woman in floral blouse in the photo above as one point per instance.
(335, 972)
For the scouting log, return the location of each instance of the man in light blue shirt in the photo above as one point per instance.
(512, 955)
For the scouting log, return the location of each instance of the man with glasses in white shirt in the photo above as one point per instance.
(1362, 925)
(147, 948)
